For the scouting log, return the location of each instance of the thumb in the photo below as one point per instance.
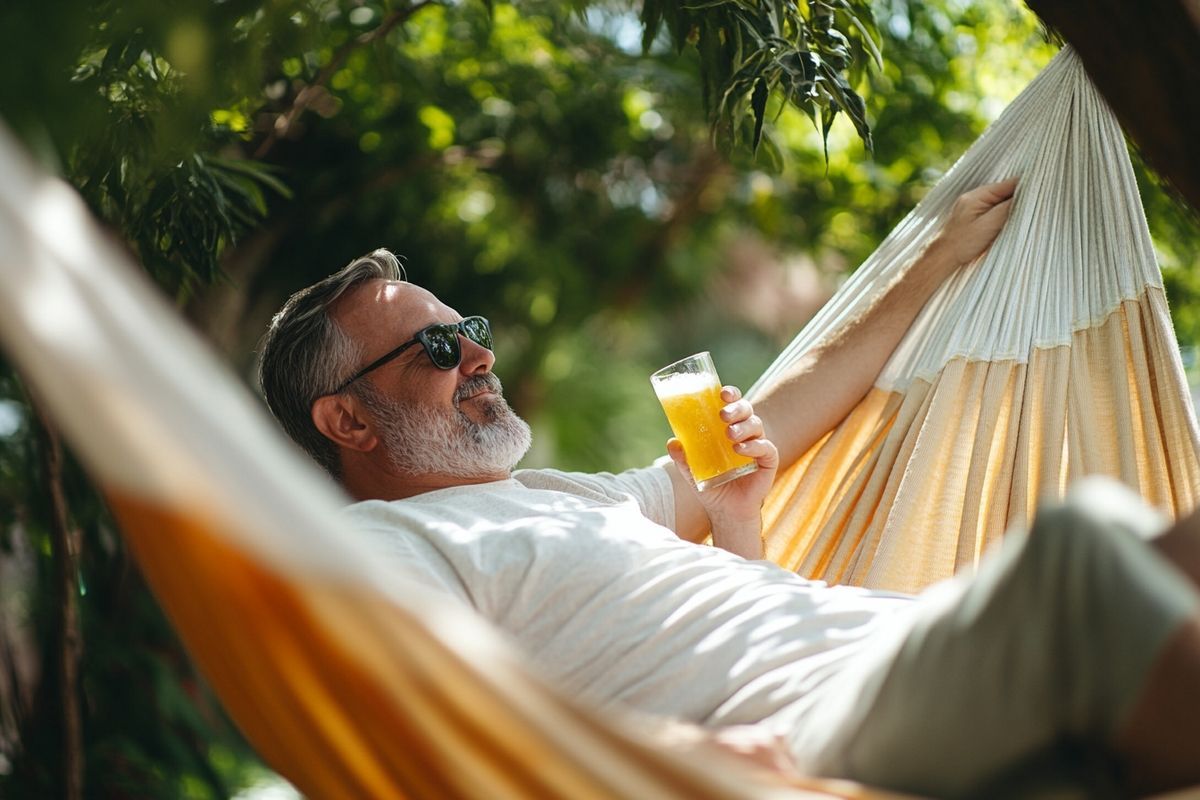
(675, 451)
(992, 194)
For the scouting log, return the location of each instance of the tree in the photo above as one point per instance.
(1145, 59)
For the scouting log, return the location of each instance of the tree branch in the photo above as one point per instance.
(1145, 59)
(706, 166)
(309, 94)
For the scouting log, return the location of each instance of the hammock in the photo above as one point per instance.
(351, 681)
(1051, 358)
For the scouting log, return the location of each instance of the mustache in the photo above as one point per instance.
(478, 383)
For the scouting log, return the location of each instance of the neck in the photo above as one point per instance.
(386, 484)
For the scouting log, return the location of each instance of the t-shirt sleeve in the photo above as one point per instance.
(652, 488)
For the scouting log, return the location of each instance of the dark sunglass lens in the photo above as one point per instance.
(477, 330)
(441, 342)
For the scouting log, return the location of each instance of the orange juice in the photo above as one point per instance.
(692, 402)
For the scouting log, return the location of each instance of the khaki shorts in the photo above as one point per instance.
(1049, 641)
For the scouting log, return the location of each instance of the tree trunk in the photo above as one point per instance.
(1144, 57)
(64, 540)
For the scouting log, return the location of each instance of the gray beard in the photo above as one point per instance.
(424, 440)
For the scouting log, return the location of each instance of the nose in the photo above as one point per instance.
(475, 357)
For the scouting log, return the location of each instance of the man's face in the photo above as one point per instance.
(429, 420)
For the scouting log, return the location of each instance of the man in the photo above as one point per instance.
(1078, 632)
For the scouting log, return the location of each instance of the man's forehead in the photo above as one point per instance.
(391, 303)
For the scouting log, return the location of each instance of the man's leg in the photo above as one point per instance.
(1161, 738)
(1073, 633)
(1181, 546)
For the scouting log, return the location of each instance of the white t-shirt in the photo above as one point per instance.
(584, 572)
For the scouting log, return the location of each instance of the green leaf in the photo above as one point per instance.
(758, 106)
(651, 17)
(843, 97)
(828, 114)
(703, 5)
(773, 153)
(257, 170)
(866, 32)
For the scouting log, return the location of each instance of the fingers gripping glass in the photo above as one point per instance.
(441, 345)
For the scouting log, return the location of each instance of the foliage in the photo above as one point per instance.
(132, 93)
(811, 54)
(553, 167)
(152, 730)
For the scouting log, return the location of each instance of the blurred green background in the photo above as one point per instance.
(533, 162)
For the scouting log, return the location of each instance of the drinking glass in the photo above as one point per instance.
(690, 393)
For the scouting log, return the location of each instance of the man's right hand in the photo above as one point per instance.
(974, 222)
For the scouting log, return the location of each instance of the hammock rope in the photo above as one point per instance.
(1051, 358)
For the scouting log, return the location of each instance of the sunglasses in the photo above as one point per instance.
(441, 345)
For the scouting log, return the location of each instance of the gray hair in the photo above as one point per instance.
(305, 355)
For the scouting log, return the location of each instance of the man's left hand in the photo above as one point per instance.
(735, 509)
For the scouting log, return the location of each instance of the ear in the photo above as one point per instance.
(340, 419)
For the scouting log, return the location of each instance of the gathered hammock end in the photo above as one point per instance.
(1051, 358)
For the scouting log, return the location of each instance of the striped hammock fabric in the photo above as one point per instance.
(346, 679)
(1051, 358)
